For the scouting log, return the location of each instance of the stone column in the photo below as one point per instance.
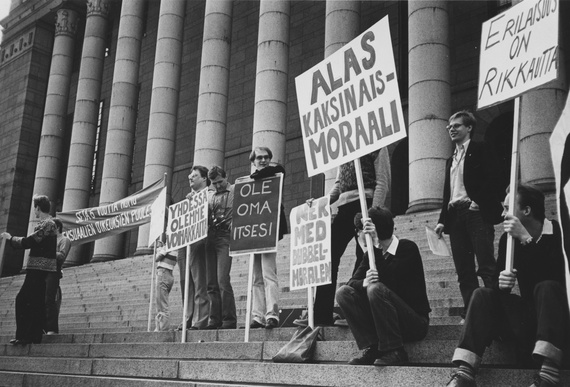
(540, 111)
(163, 117)
(122, 121)
(211, 116)
(342, 24)
(47, 180)
(429, 102)
(270, 110)
(83, 135)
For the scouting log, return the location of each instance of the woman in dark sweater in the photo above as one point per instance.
(30, 301)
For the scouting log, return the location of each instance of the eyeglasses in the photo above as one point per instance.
(263, 157)
(453, 126)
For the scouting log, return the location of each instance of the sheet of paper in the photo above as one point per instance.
(437, 245)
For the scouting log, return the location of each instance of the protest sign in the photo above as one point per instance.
(256, 211)
(187, 221)
(560, 150)
(311, 244)
(519, 51)
(157, 214)
(349, 104)
(89, 224)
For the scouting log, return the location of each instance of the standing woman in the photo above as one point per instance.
(30, 301)
(265, 309)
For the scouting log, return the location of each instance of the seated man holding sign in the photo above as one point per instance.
(539, 316)
(389, 306)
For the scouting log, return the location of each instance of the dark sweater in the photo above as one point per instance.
(535, 262)
(402, 273)
(42, 244)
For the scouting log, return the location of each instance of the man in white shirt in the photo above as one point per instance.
(471, 205)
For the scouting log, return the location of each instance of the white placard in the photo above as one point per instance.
(310, 258)
(519, 51)
(349, 104)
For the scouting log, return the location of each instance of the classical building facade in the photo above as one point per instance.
(100, 98)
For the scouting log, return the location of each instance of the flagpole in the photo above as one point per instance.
(513, 182)
(152, 271)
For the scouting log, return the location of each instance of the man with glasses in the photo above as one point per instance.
(388, 306)
(218, 259)
(265, 310)
(471, 206)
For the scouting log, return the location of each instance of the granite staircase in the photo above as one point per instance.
(103, 338)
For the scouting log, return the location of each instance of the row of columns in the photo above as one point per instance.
(429, 99)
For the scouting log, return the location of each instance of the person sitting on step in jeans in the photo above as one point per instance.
(388, 306)
(539, 316)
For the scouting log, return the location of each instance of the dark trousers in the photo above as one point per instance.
(472, 237)
(377, 316)
(53, 302)
(496, 314)
(342, 231)
(30, 307)
(220, 292)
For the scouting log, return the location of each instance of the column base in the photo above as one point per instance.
(143, 251)
(424, 205)
(104, 258)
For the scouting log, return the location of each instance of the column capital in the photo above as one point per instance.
(66, 22)
(98, 7)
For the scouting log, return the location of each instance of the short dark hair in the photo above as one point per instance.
(382, 219)
(216, 171)
(42, 201)
(58, 224)
(530, 196)
(252, 155)
(467, 118)
(203, 171)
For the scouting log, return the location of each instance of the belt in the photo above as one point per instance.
(460, 205)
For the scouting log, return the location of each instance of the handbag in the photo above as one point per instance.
(301, 347)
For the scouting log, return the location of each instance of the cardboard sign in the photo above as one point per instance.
(256, 211)
(349, 104)
(157, 211)
(560, 150)
(187, 221)
(311, 244)
(519, 51)
(89, 224)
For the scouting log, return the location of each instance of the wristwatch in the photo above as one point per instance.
(526, 241)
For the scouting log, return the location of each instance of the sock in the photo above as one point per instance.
(549, 371)
(467, 371)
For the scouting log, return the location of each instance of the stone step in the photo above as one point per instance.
(25, 379)
(266, 372)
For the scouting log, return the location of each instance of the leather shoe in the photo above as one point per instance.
(271, 323)
(539, 382)
(368, 357)
(458, 380)
(395, 357)
(211, 327)
(19, 342)
(256, 324)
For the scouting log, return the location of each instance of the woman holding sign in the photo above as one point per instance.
(265, 282)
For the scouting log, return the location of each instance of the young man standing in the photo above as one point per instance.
(471, 205)
(218, 260)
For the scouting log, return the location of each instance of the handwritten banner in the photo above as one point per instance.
(89, 224)
(187, 221)
(256, 211)
(519, 51)
(311, 244)
(349, 104)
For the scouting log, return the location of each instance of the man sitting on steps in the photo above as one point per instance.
(539, 316)
(385, 307)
